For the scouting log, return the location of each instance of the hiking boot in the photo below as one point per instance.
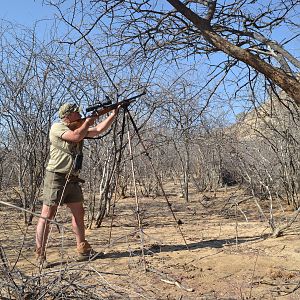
(40, 258)
(86, 252)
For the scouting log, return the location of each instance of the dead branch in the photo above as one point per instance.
(167, 279)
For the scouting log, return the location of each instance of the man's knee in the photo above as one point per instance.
(48, 212)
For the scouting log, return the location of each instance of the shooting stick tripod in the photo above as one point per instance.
(127, 117)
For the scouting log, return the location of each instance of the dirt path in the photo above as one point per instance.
(230, 255)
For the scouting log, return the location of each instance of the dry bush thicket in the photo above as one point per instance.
(183, 142)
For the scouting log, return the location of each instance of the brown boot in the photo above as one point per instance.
(86, 252)
(40, 257)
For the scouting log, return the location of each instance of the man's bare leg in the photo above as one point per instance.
(42, 229)
(84, 249)
(77, 211)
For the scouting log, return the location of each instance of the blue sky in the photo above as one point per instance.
(25, 12)
(28, 12)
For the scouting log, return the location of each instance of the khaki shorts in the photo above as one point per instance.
(57, 192)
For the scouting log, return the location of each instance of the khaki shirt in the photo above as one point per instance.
(62, 153)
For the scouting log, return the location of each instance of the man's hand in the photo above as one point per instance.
(116, 110)
(91, 120)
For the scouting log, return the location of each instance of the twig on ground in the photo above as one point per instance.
(167, 279)
(254, 268)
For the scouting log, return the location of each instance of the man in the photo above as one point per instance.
(61, 183)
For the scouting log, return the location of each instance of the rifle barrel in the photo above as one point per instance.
(109, 104)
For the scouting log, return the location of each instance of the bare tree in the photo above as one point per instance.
(242, 30)
(246, 25)
(26, 111)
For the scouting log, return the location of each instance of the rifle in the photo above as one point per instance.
(102, 109)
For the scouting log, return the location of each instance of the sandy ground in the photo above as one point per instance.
(224, 252)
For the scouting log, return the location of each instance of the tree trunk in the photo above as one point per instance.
(286, 82)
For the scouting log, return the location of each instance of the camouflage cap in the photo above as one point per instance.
(67, 108)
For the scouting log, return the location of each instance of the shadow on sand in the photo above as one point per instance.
(155, 249)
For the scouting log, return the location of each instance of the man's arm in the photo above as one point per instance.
(102, 126)
(77, 135)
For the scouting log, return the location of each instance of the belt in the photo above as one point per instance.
(74, 179)
(71, 178)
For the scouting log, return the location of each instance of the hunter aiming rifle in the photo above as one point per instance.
(102, 109)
